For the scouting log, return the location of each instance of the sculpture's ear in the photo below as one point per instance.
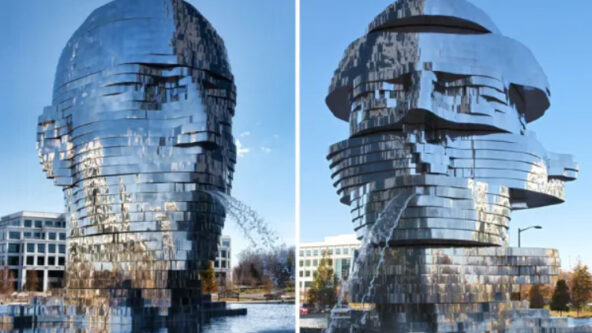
(54, 147)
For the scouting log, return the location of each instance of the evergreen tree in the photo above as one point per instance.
(208, 279)
(536, 298)
(581, 286)
(560, 297)
(323, 290)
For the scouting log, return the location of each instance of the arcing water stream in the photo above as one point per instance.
(253, 226)
(382, 231)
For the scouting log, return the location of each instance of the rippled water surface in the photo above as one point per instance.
(579, 322)
(260, 318)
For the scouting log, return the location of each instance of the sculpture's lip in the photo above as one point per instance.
(444, 13)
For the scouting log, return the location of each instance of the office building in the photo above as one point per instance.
(33, 243)
(222, 265)
(340, 251)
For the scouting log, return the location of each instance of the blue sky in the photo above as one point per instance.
(559, 38)
(259, 36)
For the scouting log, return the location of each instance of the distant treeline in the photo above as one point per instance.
(271, 267)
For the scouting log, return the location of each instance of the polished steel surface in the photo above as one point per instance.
(438, 113)
(138, 134)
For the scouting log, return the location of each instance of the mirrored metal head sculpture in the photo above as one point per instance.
(437, 97)
(438, 102)
(138, 134)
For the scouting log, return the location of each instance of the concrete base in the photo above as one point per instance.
(523, 321)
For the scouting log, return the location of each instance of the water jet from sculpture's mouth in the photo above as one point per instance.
(252, 225)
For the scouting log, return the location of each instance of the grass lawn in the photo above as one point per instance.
(585, 312)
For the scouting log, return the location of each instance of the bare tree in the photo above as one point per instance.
(6, 284)
(32, 282)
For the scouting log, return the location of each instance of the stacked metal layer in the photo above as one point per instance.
(138, 135)
(439, 114)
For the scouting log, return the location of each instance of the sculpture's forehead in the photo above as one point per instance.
(156, 32)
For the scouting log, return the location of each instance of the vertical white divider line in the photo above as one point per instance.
(297, 161)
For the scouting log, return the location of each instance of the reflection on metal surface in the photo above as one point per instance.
(138, 133)
(438, 113)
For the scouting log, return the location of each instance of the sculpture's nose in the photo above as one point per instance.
(422, 85)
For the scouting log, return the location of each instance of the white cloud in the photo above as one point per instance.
(244, 134)
(265, 149)
(240, 150)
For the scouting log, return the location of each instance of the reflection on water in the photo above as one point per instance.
(572, 322)
(260, 318)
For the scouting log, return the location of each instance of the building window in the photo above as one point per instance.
(223, 253)
(62, 248)
(301, 273)
(315, 253)
(307, 263)
(52, 236)
(62, 236)
(49, 223)
(330, 252)
(308, 253)
(226, 243)
(61, 261)
(307, 274)
(15, 223)
(345, 267)
(28, 223)
(337, 251)
(39, 235)
(307, 284)
(30, 260)
(41, 248)
(51, 261)
(301, 263)
(223, 264)
(38, 224)
(27, 235)
(51, 248)
(14, 235)
(30, 247)
(13, 261)
(346, 251)
(302, 253)
(14, 248)
(315, 263)
(41, 261)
